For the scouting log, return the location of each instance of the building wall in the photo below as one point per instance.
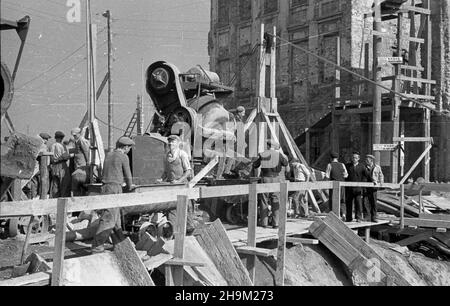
(305, 85)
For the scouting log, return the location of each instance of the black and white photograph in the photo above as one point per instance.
(225, 148)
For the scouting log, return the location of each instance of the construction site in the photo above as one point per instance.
(313, 151)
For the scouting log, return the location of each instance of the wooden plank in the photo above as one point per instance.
(131, 264)
(416, 9)
(180, 234)
(301, 240)
(215, 242)
(411, 79)
(252, 223)
(36, 279)
(427, 223)
(60, 241)
(248, 250)
(427, 150)
(98, 143)
(436, 187)
(402, 206)
(436, 217)
(336, 200)
(279, 274)
(204, 172)
(412, 67)
(181, 263)
(416, 238)
(168, 276)
(412, 139)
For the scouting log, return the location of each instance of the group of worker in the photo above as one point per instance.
(361, 200)
(66, 178)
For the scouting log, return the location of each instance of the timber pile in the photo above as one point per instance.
(390, 204)
(356, 254)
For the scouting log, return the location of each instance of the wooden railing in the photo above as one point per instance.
(158, 200)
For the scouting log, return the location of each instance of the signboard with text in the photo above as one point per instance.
(384, 147)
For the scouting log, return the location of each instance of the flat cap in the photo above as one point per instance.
(370, 156)
(273, 144)
(75, 131)
(59, 134)
(334, 155)
(45, 136)
(173, 138)
(125, 141)
(356, 153)
(241, 109)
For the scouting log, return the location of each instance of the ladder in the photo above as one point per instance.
(131, 125)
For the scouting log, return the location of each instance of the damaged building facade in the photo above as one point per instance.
(319, 113)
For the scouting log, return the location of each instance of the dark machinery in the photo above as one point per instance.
(189, 105)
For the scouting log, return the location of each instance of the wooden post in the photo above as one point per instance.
(421, 200)
(180, 234)
(168, 275)
(377, 74)
(111, 146)
(252, 223)
(60, 242)
(367, 234)
(402, 206)
(427, 133)
(27, 239)
(336, 200)
(279, 276)
(44, 161)
(273, 84)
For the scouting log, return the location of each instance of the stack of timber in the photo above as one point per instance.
(390, 204)
(356, 254)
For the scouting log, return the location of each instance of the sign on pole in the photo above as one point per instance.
(392, 59)
(385, 147)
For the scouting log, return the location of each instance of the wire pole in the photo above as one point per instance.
(107, 14)
(377, 45)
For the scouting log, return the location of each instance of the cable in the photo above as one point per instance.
(358, 75)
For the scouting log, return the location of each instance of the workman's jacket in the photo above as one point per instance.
(271, 163)
(81, 152)
(176, 165)
(116, 169)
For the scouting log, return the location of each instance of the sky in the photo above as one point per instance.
(50, 87)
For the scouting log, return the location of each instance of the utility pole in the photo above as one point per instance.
(377, 45)
(107, 14)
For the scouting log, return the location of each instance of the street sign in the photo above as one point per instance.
(392, 59)
(384, 147)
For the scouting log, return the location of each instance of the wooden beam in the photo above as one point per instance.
(181, 263)
(416, 238)
(254, 251)
(436, 217)
(416, 9)
(427, 223)
(36, 279)
(180, 234)
(302, 240)
(279, 274)
(425, 153)
(60, 242)
(336, 200)
(204, 172)
(402, 206)
(411, 79)
(251, 234)
(413, 139)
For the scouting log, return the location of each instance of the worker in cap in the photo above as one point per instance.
(336, 171)
(116, 172)
(240, 114)
(60, 179)
(271, 162)
(45, 136)
(375, 175)
(357, 172)
(299, 173)
(178, 170)
(81, 162)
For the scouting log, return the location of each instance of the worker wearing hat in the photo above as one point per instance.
(271, 163)
(336, 171)
(357, 172)
(81, 162)
(177, 170)
(59, 168)
(116, 172)
(35, 185)
(376, 176)
(240, 114)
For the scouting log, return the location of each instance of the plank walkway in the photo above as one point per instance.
(238, 237)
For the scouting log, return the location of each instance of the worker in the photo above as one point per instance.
(60, 174)
(336, 171)
(178, 170)
(34, 185)
(81, 153)
(178, 167)
(271, 163)
(300, 174)
(116, 171)
(354, 195)
(376, 176)
(240, 114)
